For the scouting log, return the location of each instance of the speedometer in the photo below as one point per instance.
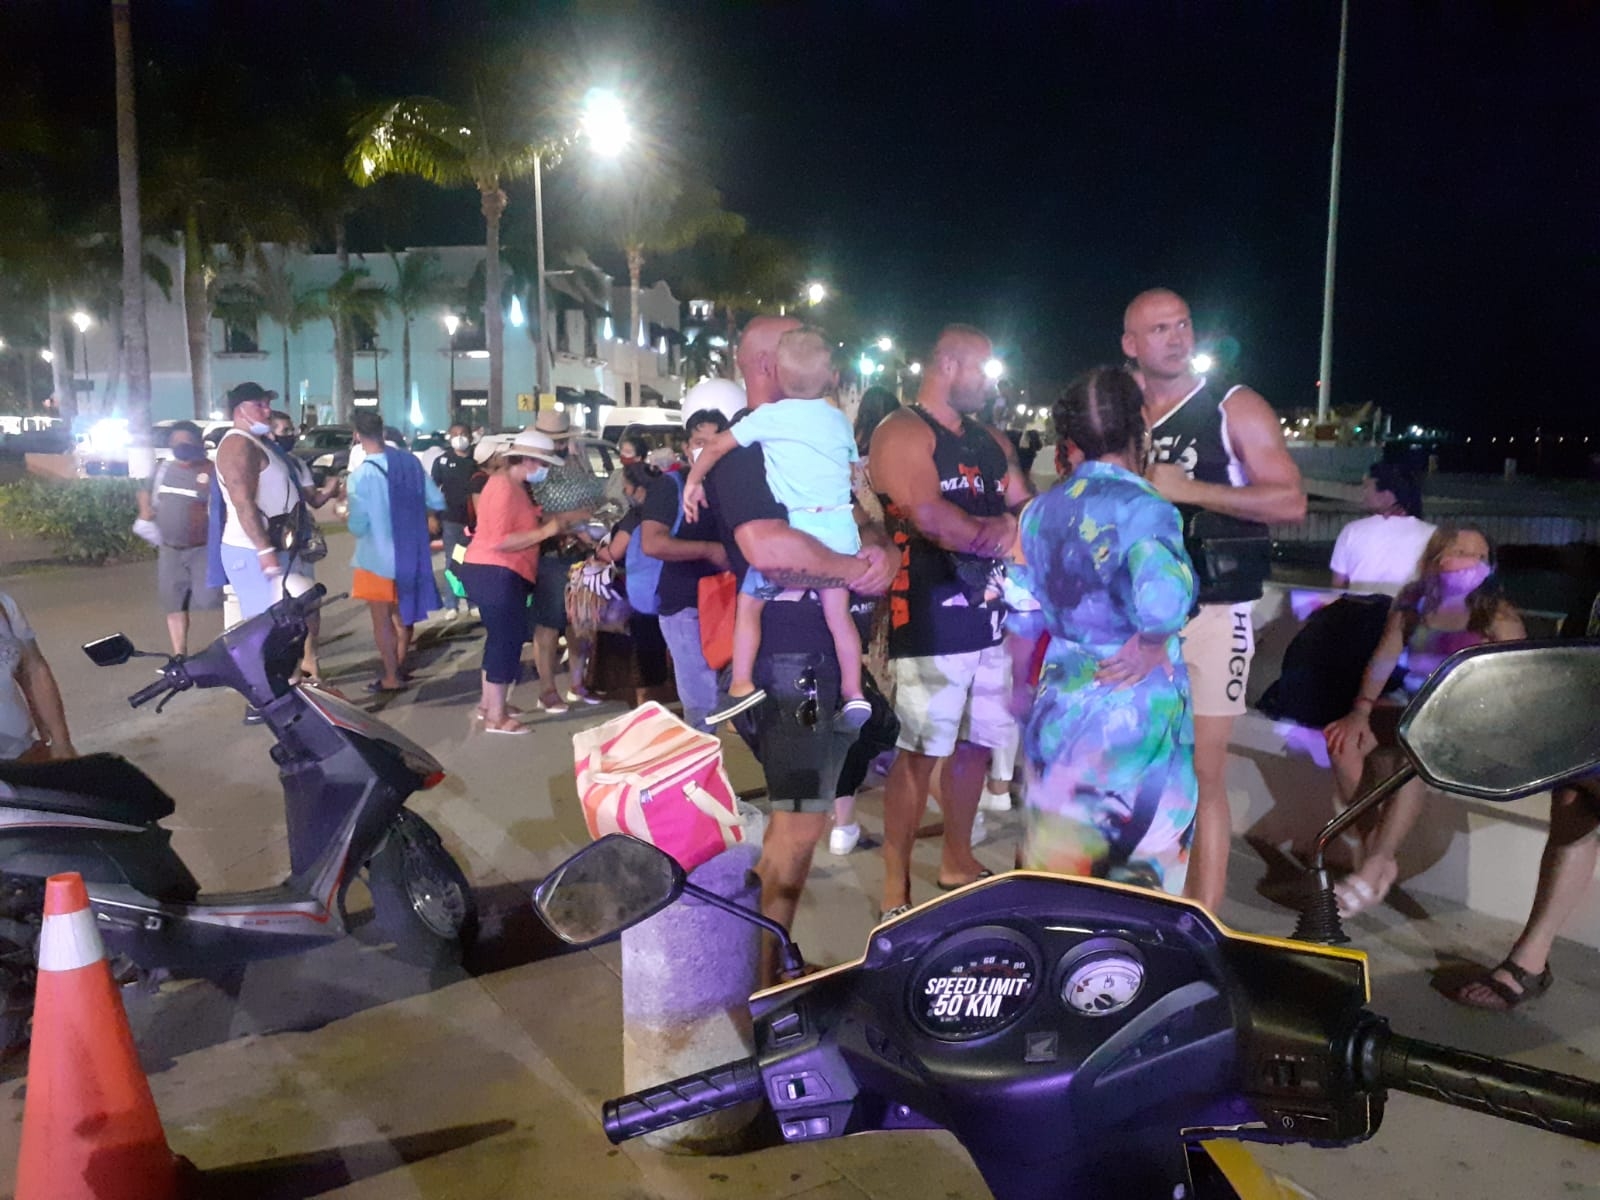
(973, 984)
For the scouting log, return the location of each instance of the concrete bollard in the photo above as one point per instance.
(687, 974)
(1510, 470)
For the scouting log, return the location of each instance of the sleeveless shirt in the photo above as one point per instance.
(942, 602)
(1195, 436)
(276, 492)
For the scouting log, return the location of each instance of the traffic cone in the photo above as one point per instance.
(90, 1130)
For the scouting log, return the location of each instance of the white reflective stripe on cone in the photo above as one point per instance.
(69, 941)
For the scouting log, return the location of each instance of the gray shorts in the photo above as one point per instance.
(181, 580)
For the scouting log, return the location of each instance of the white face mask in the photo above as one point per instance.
(459, 444)
(260, 428)
(694, 452)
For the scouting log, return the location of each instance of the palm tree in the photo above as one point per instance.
(418, 285)
(745, 273)
(278, 298)
(477, 143)
(135, 340)
(658, 215)
(353, 302)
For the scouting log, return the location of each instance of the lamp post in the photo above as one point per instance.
(451, 324)
(605, 124)
(81, 322)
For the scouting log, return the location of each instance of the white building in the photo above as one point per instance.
(592, 363)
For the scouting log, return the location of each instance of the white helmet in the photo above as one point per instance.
(721, 395)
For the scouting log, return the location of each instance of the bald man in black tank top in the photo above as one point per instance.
(949, 486)
(1219, 449)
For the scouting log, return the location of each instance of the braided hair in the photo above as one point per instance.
(1102, 412)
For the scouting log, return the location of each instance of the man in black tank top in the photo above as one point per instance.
(948, 486)
(1220, 449)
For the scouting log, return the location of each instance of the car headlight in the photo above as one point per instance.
(324, 461)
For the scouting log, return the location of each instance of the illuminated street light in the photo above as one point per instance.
(605, 122)
(1202, 363)
(48, 355)
(515, 314)
(82, 321)
(886, 344)
(865, 364)
(916, 368)
(816, 293)
(994, 368)
(451, 324)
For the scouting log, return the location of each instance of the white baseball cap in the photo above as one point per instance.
(721, 395)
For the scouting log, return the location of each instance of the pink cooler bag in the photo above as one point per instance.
(649, 775)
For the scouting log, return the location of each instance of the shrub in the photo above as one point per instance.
(87, 520)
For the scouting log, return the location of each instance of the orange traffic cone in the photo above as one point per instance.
(89, 1126)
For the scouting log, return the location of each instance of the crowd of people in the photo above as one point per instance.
(895, 586)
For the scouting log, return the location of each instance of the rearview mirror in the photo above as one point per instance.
(607, 886)
(1507, 720)
(110, 651)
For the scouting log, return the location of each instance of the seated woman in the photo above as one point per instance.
(1455, 603)
(1108, 743)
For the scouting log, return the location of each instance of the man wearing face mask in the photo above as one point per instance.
(452, 472)
(284, 438)
(178, 501)
(257, 485)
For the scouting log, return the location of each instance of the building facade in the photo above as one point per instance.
(593, 365)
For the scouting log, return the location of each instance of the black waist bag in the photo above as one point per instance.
(1232, 557)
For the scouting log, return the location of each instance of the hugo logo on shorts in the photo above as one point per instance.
(1237, 660)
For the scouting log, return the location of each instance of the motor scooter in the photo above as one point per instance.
(345, 777)
(1087, 1038)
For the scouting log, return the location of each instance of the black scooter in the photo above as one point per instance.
(1085, 1038)
(345, 780)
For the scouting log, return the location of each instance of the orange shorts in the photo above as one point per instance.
(367, 586)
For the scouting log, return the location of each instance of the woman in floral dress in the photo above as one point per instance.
(1109, 737)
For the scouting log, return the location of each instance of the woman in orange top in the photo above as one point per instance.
(501, 564)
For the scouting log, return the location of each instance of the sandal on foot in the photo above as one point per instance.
(1533, 986)
(482, 713)
(899, 910)
(510, 726)
(378, 688)
(953, 887)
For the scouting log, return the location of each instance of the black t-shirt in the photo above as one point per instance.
(680, 581)
(629, 523)
(453, 473)
(737, 491)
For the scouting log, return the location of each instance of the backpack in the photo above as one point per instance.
(643, 573)
(180, 493)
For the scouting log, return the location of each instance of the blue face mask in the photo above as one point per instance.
(538, 476)
(188, 452)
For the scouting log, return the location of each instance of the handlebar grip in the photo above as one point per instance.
(682, 1100)
(1547, 1100)
(146, 694)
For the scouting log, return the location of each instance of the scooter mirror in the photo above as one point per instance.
(1501, 721)
(607, 886)
(110, 651)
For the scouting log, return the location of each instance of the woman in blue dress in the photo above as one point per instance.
(1109, 738)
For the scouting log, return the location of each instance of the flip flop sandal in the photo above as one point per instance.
(1533, 986)
(377, 688)
(511, 728)
(955, 887)
(899, 910)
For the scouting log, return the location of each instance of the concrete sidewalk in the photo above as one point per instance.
(344, 1073)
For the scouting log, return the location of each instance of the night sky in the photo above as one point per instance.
(1029, 167)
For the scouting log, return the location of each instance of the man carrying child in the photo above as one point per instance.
(809, 453)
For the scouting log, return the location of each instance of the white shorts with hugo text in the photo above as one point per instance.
(1218, 644)
(948, 698)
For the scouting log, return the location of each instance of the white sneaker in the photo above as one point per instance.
(994, 801)
(980, 828)
(843, 839)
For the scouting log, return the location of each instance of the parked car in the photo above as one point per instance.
(326, 448)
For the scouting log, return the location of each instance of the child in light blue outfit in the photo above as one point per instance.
(810, 453)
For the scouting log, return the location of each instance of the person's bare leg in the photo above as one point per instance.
(746, 643)
(178, 632)
(402, 640)
(1565, 869)
(784, 865)
(844, 810)
(546, 644)
(494, 702)
(383, 633)
(964, 773)
(1380, 865)
(309, 665)
(578, 651)
(905, 795)
(846, 640)
(1213, 821)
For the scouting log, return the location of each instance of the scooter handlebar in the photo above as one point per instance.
(1547, 1100)
(146, 694)
(682, 1100)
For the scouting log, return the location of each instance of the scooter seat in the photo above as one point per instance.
(107, 786)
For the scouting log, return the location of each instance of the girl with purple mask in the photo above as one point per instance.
(1456, 602)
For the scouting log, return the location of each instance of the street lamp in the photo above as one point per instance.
(451, 324)
(81, 322)
(47, 354)
(886, 344)
(866, 365)
(994, 368)
(605, 124)
(816, 293)
(915, 368)
(1202, 363)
